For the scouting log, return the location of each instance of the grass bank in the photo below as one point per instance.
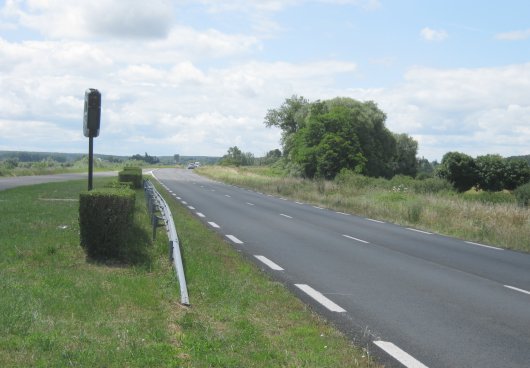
(57, 309)
(487, 218)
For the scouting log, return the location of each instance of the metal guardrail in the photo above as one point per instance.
(156, 203)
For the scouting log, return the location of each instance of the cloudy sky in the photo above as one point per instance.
(195, 77)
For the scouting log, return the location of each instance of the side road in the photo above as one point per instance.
(18, 181)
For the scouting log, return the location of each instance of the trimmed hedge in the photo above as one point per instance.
(105, 218)
(131, 174)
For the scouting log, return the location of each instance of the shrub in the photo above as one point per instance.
(431, 186)
(522, 194)
(131, 174)
(105, 216)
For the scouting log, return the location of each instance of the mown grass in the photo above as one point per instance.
(57, 309)
(491, 218)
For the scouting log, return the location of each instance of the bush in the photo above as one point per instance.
(131, 174)
(522, 194)
(105, 216)
(431, 186)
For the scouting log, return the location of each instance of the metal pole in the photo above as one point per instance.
(90, 161)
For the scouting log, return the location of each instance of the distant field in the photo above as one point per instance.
(490, 218)
(58, 310)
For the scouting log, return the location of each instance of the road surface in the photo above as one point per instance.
(417, 299)
(17, 181)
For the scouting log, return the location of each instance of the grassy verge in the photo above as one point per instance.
(57, 309)
(487, 218)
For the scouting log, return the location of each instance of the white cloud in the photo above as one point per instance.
(64, 19)
(513, 35)
(429, 34)
(477, 111)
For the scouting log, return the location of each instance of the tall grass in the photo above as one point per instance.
(492, 218)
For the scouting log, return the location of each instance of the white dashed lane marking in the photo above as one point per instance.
(213, 224)
(379, 222)
(234, 239)
(418, 231)
(484, 246)
(286, 216)
(320, 298)
(404, 358)
(269, 263)
(356, 239)
(200, 214)
(517, 289)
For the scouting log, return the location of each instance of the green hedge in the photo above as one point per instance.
(105, 218)
(131, 174)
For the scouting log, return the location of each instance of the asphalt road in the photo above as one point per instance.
(421, 299)
(18, 181)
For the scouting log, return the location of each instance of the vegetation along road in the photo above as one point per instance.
(17, 181)
(422, 298)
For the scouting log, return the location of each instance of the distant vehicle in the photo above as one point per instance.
(197, 164)
(191, 166)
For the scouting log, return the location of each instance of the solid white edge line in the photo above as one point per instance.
(483, 245)
(419, 231)
(517, 289)
(404, 358)
(213, 224)
(320, 298)
(284, 215)
(269, 263)
(359, 240)
(379, 222)
(200, 214)
(234, 239)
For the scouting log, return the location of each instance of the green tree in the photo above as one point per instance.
(517, 173)
(406, 162)
(343, 133)
(491, 172)
(459, 169)
(289, 117)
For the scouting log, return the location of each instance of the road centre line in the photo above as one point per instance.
(284, 215)
(517, 289)
(379, 222)
(482, 245)
(227, 195)
(250, 204)
(356, 239)
(213, 224)
(234, 239)
(320, 298)
(419, 231)
(401, 356)
(200, 214)
(269, 263)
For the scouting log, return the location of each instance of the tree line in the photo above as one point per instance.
(322, 138)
